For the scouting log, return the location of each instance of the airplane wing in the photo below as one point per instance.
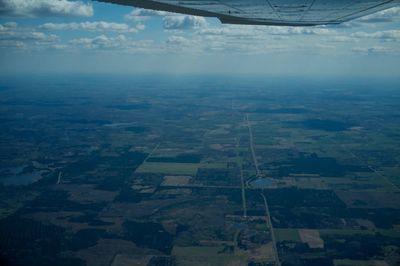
(269, 12)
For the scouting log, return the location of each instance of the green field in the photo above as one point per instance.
(345, 232)
(169, 168)
(202, 256)
(346, 262)
(287, 235)
(176, 168)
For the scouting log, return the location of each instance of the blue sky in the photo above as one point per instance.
(41, 36)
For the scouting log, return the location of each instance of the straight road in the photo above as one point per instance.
(253, 153)
(269, 222)
(59, 177)
(267, 213)
(151, 153)
(241, 179)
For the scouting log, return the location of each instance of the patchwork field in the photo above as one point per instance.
(162, 171)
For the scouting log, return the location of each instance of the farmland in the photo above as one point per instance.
(144, 171)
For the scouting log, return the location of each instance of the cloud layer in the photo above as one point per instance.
(171, 21)
(44, 8)
(12, 36)
(172, 33)
(90, 26)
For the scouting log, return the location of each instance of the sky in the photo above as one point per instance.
(64, 36)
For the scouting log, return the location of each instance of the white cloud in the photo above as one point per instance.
(299, 31)
(140, 26)
(12, 44)
(386, 35)
(45, 8)
(58, 46)
(260, 32)
(343, 39)
(204, 38)
(183, 22)
(11, 25)
(120, 44)
(101, 41)
(171, 21)
(90, 26)
(140, 14)
(11, 31)
(178, 41)
(12, 36)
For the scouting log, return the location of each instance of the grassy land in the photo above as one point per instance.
(345, 232)
(169, 168)
(198, 255)
(176, 168)
(287, 235)
(395, 233)
(347, 262)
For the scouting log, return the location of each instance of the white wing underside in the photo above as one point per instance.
(269, 12)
